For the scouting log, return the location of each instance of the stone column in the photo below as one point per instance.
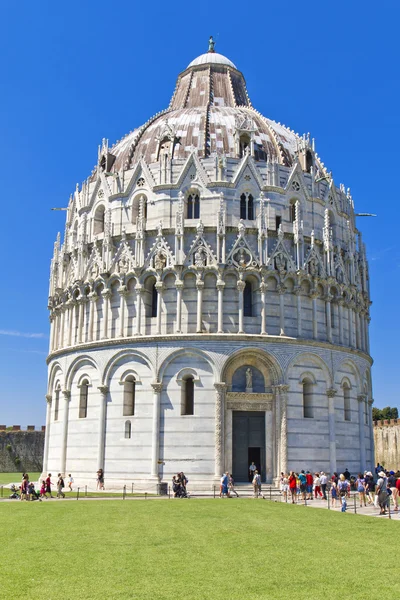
(157, 389)
(277, 432)
(340, 311)
(359, 343)
(219, 428)
(314, 297)
(263, 289)
(297, 291)
(367, 322)
(281, 290)
(371, 434)
(179, 288)
(199, 323)
(361, 431)
(63, 465)
(269, 446)
(106, 310)
(92, 299)
(102, 426)
(56, 324)
(240, 286)
(331, 393)
(61, 340)
(81, 308)
(47, 435)
(160, 288)
(351, 325)
(71, 320)
(328, 318)
(283, 390)
(139, 289)
(123, 293)
(220, 288)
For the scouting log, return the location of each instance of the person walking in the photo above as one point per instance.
(381, 491)
(317, 486)
(369, 487)
(285, 487)
(393, 489)
(60, 486)
(100, 479)
(49, 483)
(256, 484)
(334, 493)
(344, 489)
(360, 487)
(232, 486)
(309, 481)
(303, 484)
(292, 486)
(70, 482)
(252, 469)
(224, 489)
(324, 483)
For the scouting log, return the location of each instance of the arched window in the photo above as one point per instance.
(139, 207)
(154, 297)
(308, 411)
(188, 395)
(193, 206)
(128, 430)
(83, 399)
(129, 396)
(247, 207)
(98, 225)
(346, 397)
(57, 403)
(248, 300)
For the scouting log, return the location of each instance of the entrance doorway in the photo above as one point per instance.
(248, 443)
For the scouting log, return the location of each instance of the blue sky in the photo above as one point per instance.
(72, 73)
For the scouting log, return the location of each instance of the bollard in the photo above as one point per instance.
(1, 488)
(132, 488)
(214, 490)
(85, 490)
(124, 492)
(270, 493)
(169, 492)
(305, 500)
(145, 495)
(389, 513)
(77, 494)
(355, 506)
(328, 502)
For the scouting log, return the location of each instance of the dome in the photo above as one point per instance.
(211, 58)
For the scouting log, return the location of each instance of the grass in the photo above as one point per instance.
(195, 549)
(6, 478)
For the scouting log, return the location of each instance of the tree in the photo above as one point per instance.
(385, 414)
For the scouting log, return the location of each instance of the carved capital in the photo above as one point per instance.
(93, 297)
(159, 287)
(220, 285)
(66, 394)
(123, 291)
(263, 287)
(106, 294)
(179, 284)
(199, 284)
(241, 285)
(281, 289)
(331, 392)
(362, 397)
(371, 401)
(103, 389)
(139, 288)
(220, 387)
(281, 388)
(49, 398)
(157, 387)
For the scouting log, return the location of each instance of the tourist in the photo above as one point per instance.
(369, 487)
(334, 493)
(60, 486)
(224, 487)
(232, 486)
(49, 483)
(360, 487)
(32, 493)
(24, 488)
(43, 489)
(100, 479)
(378, 468)
(344, 490)
(281, 481)
(381, 492)
(285, 487)
(303, 484)
(393, 489)
(255, 484)
(252, 468)
(317, 486)
(324, 483)
(346, 474)
(70, 482)
(292, 486)
(309, 482)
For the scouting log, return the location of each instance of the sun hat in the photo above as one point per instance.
(382, 474)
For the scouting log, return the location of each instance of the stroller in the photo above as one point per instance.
(14, 492)
(179, 487)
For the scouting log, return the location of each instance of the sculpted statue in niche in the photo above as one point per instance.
(280, 262)
(123, 265)
(242, 258)
(94, 270)
(249, 379)
(241, 228)
(200, 257)
(159, 261)
(313, 267)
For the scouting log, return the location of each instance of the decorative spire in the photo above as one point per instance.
(211, 44)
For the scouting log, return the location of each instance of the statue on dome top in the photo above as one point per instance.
(211, 44)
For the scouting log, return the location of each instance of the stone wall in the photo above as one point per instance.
(27, 446)
(387, 443)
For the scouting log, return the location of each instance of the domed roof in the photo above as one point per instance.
(209, 109)
(211, 58)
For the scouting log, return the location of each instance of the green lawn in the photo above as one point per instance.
(6, 478)
(194, 549)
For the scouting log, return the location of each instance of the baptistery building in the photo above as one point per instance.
(209, 301)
